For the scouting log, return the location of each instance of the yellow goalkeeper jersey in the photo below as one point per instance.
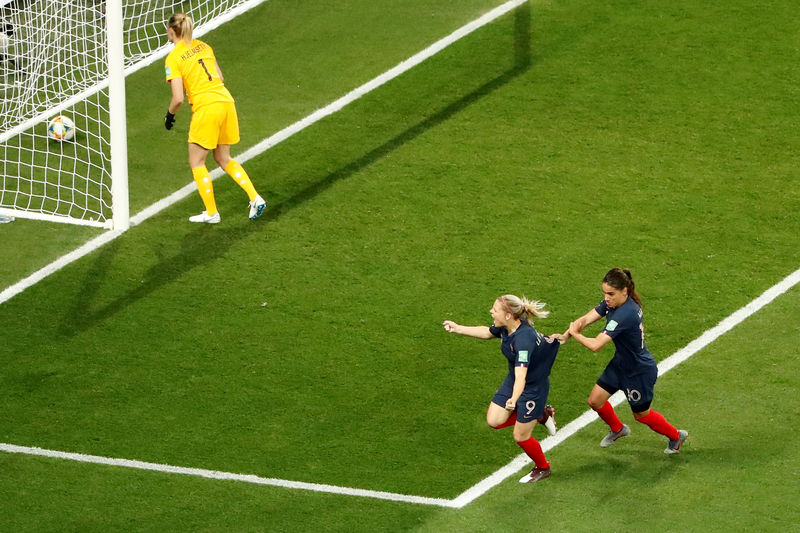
(196, 64)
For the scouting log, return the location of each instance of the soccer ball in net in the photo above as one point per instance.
(61, 128)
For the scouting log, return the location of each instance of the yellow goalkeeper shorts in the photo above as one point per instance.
(214, 124)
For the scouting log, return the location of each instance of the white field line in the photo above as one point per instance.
(58, 264)
(226, 476)
(102, 84)
(336, 105)
(185, 191)
(265, 145)
(477, 490)
(664, 366)
(473, 492)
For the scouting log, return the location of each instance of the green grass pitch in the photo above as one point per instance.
(561, 140)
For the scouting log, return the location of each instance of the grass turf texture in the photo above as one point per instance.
(299, 57)
(736, 473)
(716, 483)
(395, 214)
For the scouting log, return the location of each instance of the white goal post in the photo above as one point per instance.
(70, 58)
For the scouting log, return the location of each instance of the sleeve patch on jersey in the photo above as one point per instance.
(523, 356)
(167, 71)
(612, 325)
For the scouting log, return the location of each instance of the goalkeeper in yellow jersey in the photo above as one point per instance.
(192, 67)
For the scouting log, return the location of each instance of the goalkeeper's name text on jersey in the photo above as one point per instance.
(192, 51)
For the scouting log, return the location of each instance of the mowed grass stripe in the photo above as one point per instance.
(264, 145)
(477, 490)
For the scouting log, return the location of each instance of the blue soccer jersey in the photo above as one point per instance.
(527, 347)
(624, 326)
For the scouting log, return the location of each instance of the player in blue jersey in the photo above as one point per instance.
(521, 400)
(632, 369)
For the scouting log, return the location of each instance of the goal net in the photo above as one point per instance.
(55, 61)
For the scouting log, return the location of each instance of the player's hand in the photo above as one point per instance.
(169, 120)
(510, 405)
(449, 326)
(574, 328)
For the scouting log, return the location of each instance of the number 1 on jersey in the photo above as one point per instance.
(202, 64)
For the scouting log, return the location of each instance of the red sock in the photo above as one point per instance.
(659, 424)
(534, 451)
(609, 417)
(510, 422)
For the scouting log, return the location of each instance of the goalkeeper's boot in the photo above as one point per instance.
(675, 445)
(257, 207)
(548, 419)
(612, 436)
(206, 218)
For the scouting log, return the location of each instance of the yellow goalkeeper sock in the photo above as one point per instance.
(205, 188)
(237, 172)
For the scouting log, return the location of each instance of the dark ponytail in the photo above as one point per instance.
(621, 279)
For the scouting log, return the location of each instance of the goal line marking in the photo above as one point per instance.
(264, 145)
(477, 490)
(473, 492)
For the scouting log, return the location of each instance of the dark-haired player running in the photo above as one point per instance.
(632, 369)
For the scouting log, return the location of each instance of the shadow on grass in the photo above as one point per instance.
(522, 63)
(200, 246)
(205, 245)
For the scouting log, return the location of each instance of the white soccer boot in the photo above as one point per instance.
(206, 218)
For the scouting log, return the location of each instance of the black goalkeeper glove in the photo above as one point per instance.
(169, 120)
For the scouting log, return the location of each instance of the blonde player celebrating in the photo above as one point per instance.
(522, 397)
(192, 67)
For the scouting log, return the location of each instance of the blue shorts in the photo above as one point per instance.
(530, 405)
(638, 388)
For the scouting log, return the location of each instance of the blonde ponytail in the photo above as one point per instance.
(522, 307)
(182, 25)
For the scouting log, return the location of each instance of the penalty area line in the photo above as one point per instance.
(589, 416)
(224, 476)
(472, 493)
